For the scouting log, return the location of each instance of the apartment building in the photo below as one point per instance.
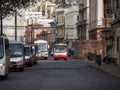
(14, 27)
(83, 20)
(45, 9)
(115, 27)
(60, 32)
(71, 15)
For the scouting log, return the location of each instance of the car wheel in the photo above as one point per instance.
(107, 62)
(55, 59)
(65, 59)
(46, 58)
(6, 76)
(2, 77)
(21, 69)
(30, 65)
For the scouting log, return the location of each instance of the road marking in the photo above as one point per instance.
(51, 61)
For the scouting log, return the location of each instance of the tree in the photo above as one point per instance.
(11, 6)
(60, 1)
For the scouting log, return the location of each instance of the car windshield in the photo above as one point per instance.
(16, 50)
(60, 48)
(42, 47)
(27, 51)
(1, 48)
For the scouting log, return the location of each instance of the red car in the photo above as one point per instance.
(28, 55)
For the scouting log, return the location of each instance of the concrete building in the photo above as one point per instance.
(83, 20)
(46, 8)
(60, 22)
(99, 19)
(60, 32)
(96, 19)
(53, 31)
(71, 15)
(35, 32)
(9, 27)
(72, 2)
(99, 24)
(115, 27)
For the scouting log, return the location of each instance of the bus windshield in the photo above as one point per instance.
(42, 47)
(1, 48)
(16, 50)
(60, 48)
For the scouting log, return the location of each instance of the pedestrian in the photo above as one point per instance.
(98, 60)
(88, 57)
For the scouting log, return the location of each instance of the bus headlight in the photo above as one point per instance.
(1, 65)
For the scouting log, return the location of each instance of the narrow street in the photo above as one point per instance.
(49, 74)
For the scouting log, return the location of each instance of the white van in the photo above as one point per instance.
(4, 57)
(17, 55)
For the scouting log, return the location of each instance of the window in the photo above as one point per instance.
(6, 46)
(77, 18)
(16, 50)
(118, 43)
(117, 4)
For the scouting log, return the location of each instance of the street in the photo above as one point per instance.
(72, 74)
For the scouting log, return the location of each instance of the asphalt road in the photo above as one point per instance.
(60, 75)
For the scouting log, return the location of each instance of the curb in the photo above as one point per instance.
(109, 68)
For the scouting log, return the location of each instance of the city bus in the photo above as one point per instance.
(42, 48)
(28, 55)
(4, 57)
(17, 55)
(60, 51)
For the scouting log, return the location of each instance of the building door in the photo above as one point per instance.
(118, 48)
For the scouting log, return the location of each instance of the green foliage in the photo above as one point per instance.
(11, 6)
(60, 1)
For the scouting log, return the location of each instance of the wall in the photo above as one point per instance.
(82, 48)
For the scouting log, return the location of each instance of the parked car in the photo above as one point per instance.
(4, 57)
(28, 54)
(109, 59)
(17, 55)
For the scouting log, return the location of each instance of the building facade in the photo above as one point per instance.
(115, 27)
(99, 24)
(71, 15)
(14, 28)
(45, 9)
(60, 32)
(83, 23)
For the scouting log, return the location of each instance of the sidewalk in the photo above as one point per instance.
(110, 68)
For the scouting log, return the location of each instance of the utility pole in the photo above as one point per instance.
(1, 22)
(16, 26)
(32, 32)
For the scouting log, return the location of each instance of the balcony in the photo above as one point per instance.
(82, 23)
